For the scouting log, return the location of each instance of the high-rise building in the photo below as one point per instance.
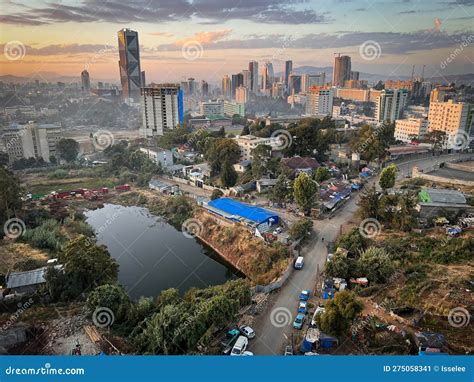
(129, 63)
(253, 69)
(450, 117)
(294, 84)
(191, 86)
(246, 74)
(267, 78)
(310, 80)
(226, 86)
(390, 104)
(31, 141)
(242, 94)
(320, 101)
(204, 88)
(411, 128)
(341, 71)
(162, 108)
(86, 82)
(443, 94)
(355, 76)
(288, 70)
(143, 78)
(277, 89)
(237, 80)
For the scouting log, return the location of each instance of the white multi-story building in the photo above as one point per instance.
(213, 107)
(450, 117)
(407, 129)
(31, 141)
(390, 105)
(164, 157)
(161, 107)
(320, 101)
(249, 142)
(231, 108)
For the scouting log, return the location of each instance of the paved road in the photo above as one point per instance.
(271, 335)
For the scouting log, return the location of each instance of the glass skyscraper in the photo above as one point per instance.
(129, 63)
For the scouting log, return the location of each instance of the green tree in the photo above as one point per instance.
(86, 266)
(10, 195)
(305, 190)
(245, 130)
(221, 150)
(437, 139)
(260, 156)
(228, 175)
(216, 194)
(68, 149)
(388, 177)
(375, 264)
(339, 266)
(321, 174)
(353, 241)
(339, 313)
(369, 204)
(301, 229)
(279, 193)
(111, 296)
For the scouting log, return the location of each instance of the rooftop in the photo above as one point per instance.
(441, 196)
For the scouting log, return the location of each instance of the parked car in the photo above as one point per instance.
(240, 346)
(247, 353)
(299, 263)
(247, 331)
(329, 258)
(303, 307)
(299, 321)
(304, 295)
(288, 350)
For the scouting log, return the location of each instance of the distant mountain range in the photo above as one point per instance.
(372, 78)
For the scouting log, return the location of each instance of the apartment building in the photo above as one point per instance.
(407, 129)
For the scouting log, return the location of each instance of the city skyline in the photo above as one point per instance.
(66, 38)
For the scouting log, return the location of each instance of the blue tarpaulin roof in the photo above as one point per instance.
(233, 207)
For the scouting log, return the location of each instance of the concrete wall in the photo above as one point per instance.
(462, 166)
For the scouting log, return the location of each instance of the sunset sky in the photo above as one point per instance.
(207, 39)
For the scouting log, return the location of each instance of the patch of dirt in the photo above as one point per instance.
(11, 253)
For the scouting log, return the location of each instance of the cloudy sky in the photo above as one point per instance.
(209, 38)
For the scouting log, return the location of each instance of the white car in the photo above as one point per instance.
(247, 353)
(247, 331)
(240, 346)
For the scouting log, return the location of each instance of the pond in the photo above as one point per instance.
(152, 254)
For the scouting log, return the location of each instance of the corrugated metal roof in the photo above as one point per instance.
(253, 213)
(21, 279)
(446, 196)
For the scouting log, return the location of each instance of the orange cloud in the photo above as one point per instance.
(205, 37)
(161, 34)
